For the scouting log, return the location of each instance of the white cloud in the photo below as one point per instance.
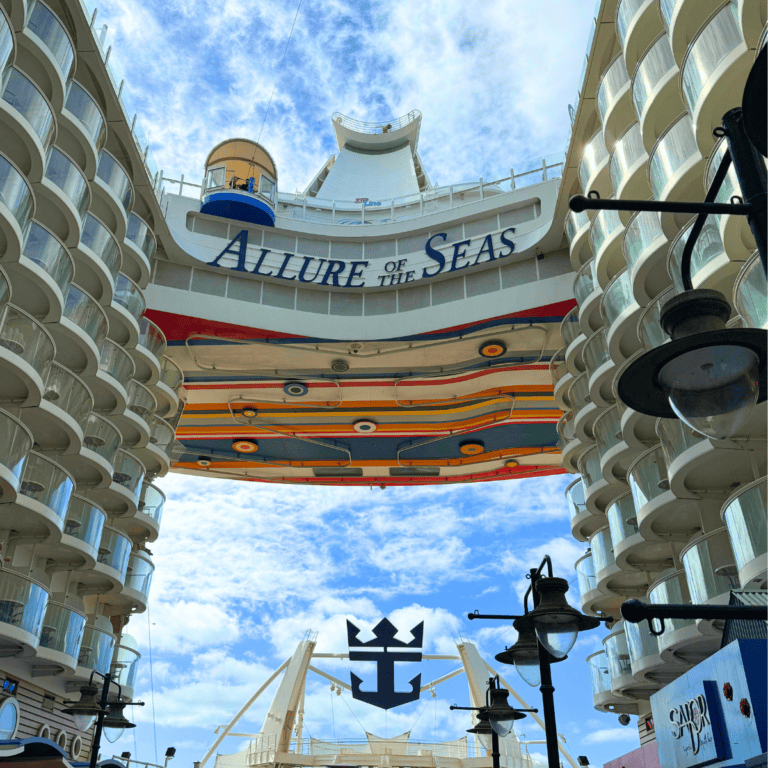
(603, 735)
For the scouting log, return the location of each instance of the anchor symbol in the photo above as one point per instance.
(385, 696)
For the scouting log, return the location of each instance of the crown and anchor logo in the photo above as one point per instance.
(385, 696)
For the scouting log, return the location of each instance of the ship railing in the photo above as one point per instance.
(385, 127)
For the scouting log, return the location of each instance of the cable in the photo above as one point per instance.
(279, 70)
(152, 681)
(343, 698)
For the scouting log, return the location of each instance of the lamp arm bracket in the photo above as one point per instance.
(476, 615)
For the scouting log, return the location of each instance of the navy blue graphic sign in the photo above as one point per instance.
(385, 696)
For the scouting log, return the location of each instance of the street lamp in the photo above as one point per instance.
(524, 654)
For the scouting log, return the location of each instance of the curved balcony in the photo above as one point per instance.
(156, 454)
(5, 289)
(47, 51)
(81, 332)
(122, 495)
(593, 167)
(26, 352)
(83, 528)
(593, 601)
(753, 17)
(646, 663)
(98, 260)
(684, 20)
(675, 171)
(602, 556)
(114, 553)
(60, 639)
(149, 352)
(28, 123)
(577, 230)
(93, 466)
(125, 664)
(138, 249)
(63, 196)
(561, 379)
(127, 307)
(611, 578)
(22, 609)
(615, 454)
(744, 515)
(583, 522)
(17, 442)
(82, 128)
(169, 388)
(631, 550)
(135, 421)
(584, 410)
(603, 698)
(598, 493)
(605, 238)
(600, 369)
(151, 502)
(613, 101)
(570, 446)
(573, 338)
(113, 194)
(7, 40)
(116, 369)
(734, 230)
(714, 73)
(95, 650)
(628, 168)
(638, 22)
(656, 91)
(139, 578)
(587, 291)
(645, 251)
(621, 314)
(649, 328)
(750, 294)
(623, 681)
(16, 207)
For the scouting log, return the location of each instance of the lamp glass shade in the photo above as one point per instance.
(113, 734)
(528, 668)
(713, 389)
(558, 637)
(84, 722)
(503, 727)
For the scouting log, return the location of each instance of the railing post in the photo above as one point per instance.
(481, 188)
(181, 186)
(544, 169)
(333, 212)
(511, 178)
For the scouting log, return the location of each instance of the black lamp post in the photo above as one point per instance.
(556, 626)
(108, 714)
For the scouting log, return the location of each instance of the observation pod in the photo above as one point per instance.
(240, 183)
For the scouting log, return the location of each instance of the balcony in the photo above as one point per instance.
(570, 446)
(140, 570)
(93, 467)
(621, 314)
(593, 167)
(577, 229)
(82, 128)
(115, 371)
(125, 665)
(592, 600)
(628, 168)
(750, 295)
(28, 123)
(583, 522)
(26, 352)
(113, 195)
(675, 170)
(598, 494)
(95, 649)
(631, 550)
(638, 22)
(150, 511)
(17, 442)
(623, 682)
(605, 238)
(602, 556)
(139, 248)
(156, 454)
(573, 338)
(63, 197)
(753, 17)
(22, 608)
(645, 251)
(656, 91)
(149, 351)
(98, 260)
(603, 698)
(16, 206)
(714, 73)
(600, 369)
(584, 410)
(615, 454)
(83, 527)
(613, 101)
(744, 515)
(587, 291)
(684, 20)
(561, 379)
(128, 304)
(114, 552)
(135, 421)
(645, 661)
(60, 639)
(649, 328)
(7, 41)
(81, 332)
(129, 474)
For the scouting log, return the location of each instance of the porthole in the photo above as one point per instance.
(250, 413)
(471, 447)
(61, 739)
(493, 349)
(44, 731)
(76, 748)
(295, 389)
(364, 426)
(201, 462)
(512, 463)
(9, 718)
(245, 446)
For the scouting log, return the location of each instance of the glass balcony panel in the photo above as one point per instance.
(62, 629)
(68, 392)
(46, 25)
(16, 441)
(589, 467)
(85, 313)
(26, 98)
(613, 80)
(161, 434)
(113, 175)
(101, 437)
(129, 296)
(129, 471)
(751, 295)
(49, 254)
(720, 37)
(708, 247)
(676, 437)
(672, 150)
(565, 427)
(557, 367)
(730, 185)
(585, 571)
(85, 521)
(22, 602)
(96, 650)
(151, 501)
(617, 297)
(599, 675)
(574, 223)
(6, 42)
(585, 282)
(140, 400)
(15, 194)
(629, 150)
(594, 154)
(115, 550)
(649, 328)
(643, 230)
(569, 328)
(640, 642)
(745, 518)
(151, 337)
(173, 377)
(655, 65)
(83, 106)
(602, 549)
(624, 15)
(574, 495)
(126, 662)
(604, 226)
(710, 566)
(141, 235)
(622, 519)
(26, 337)
(668, 10)
(62, 172)
(670, 591)
(607, 430)
(5, 289)
(140, 569)
(648, 477)
(579, 392)
(116, 362)
(596, 351)
(99, 239)
(617, 654)
(47, 483)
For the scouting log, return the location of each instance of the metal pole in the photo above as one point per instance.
(96, 743)
(495, 748)
(750, 172)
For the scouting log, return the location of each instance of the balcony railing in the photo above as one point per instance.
(100, 241)
(622, 519)
(47, 483)
(614, 79)
(579, 394)
(48, 27)
(594, 156)
(617, 653)
(84, 107)
(671, 588)
(744, 515)
(151, 338)
(649, 328)
(22, 602)
(710, 567)
(656, 64)
(16, 440)
(585, 573)
(643, 233)
(62, 629)
(140, 570)
(5, 289)
(708, 247)
(750, 294)
(115, 550)
(7, 42)
(574, 495)
(618, 297)
(569, 328)
(599, 674)
(676, 437)
(605, 227)
(96, 649)
(602, 549)
(47, 251)
(151, 501)
(575, 223)
(15, 193)
(129, 296)
(607, 430)
(68, 392)
(161, 434)
(628, 155)
(115, 177)
(28, 100)
(595, 351)
(83, 310)
(565, 427)
(27, 338)
(625, 13)
(647, 477)
(141, 235)
(62, 172)
(141, 401)
(85, 521)
(129, 471)
(673, 150)
(116, 362)
(171, 375)
(125, 662)
(640, 643)
(589, 467)
(101, 437)
(585, 283)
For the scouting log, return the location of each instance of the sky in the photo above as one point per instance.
(244, 570)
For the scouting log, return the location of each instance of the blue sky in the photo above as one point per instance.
(243, 570)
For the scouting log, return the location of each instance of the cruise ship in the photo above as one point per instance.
(374, 330)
